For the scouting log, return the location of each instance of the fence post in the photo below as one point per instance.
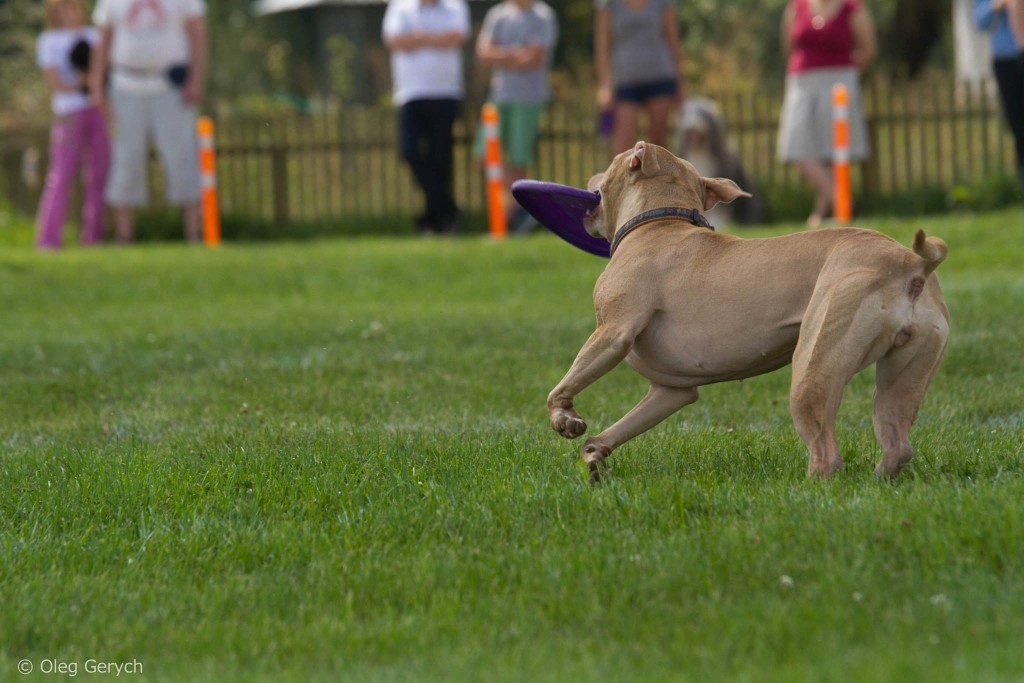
(841, 202)
(279, 176)
(870, 167)
(208, 180)
(492, 164)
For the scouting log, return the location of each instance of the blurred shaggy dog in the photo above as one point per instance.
(700, 138)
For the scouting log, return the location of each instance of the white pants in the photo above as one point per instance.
(805, 124)
(171, 124)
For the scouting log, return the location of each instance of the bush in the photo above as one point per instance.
(164, 225)
(994, 192)
(794, 203)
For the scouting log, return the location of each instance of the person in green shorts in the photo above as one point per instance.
(517, 40)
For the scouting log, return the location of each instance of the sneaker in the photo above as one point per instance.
(451, 225)
(424, 225)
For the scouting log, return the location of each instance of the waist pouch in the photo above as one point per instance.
(177, 75)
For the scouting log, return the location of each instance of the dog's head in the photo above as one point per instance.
(700, 126)
(650, 177)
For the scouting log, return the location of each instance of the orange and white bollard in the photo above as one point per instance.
(496, 220)
(208, 182)
(842, 202)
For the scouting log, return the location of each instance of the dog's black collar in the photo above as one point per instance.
(692, 215)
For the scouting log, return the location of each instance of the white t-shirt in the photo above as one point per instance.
(53, 51)
(429, 72)
(148, 35)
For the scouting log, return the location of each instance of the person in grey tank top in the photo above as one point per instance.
(639, 67)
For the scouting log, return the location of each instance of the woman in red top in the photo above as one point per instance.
(828, 42)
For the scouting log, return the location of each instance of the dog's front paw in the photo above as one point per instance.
(568, 423)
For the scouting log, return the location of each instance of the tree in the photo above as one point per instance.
(734, 42)
(913, 32)
(21, 21)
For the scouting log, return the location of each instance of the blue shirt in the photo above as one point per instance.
(997, 23)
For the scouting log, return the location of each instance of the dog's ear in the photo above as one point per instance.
(645, 159)
(720, 190)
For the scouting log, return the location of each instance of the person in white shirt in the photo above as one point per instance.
(78, 135)
(155, 52)
(425, 38)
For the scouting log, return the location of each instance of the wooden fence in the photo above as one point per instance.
(344, 165)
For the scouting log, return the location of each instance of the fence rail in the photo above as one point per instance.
(344, 165)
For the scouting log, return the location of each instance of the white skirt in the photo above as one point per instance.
(805, 124)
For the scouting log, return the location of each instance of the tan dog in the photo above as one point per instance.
(686, 306)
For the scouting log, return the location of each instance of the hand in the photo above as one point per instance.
(423, 40)
(98, 98)
(520, 59)
(680, 97)
(192, 91)
(998, 5)
(605, 96)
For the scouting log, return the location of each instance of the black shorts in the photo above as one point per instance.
(642, 92)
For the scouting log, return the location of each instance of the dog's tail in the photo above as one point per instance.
(931, 249)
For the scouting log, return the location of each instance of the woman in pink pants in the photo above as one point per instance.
(78, 137)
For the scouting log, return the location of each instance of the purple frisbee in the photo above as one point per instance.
(561, 208)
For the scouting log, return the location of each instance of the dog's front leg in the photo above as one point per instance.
(604, 350)
(659, 403)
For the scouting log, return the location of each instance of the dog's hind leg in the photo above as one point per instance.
(659, 403)
(839, 336)
(815, 405)
(901, 378)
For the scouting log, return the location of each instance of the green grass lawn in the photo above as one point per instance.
(330, 461)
